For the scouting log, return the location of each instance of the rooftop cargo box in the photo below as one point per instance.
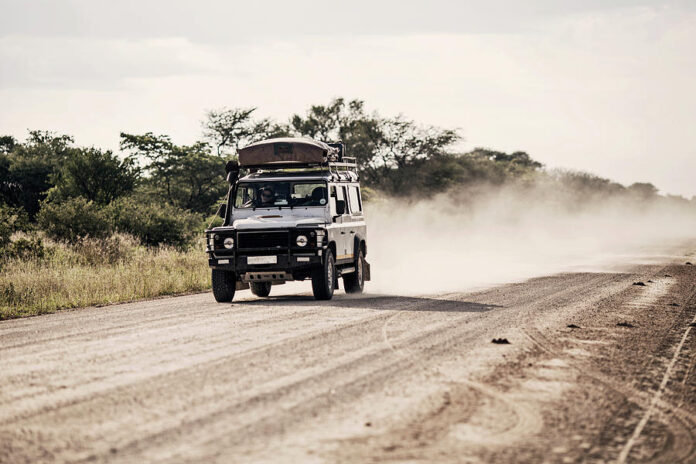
(287, 152)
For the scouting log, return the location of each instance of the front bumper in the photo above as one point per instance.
(291, 260)
(286, 263)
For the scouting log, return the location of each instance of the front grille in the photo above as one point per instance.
(262, 240)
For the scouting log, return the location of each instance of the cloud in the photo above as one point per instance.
(222, 21)
(63, 62)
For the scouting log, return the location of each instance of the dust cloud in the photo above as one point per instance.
(468, 240)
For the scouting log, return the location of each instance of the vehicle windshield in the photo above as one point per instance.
(280, 194)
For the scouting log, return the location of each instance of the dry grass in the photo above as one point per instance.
(94, 272)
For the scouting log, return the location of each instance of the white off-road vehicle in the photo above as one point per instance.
(297, 214)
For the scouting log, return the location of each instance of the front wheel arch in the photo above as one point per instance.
(332, 247)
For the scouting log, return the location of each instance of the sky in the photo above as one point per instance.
(599, 86)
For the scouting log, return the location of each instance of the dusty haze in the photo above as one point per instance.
(479, 237)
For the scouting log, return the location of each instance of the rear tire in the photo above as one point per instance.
(324, 278)
(260, 288)
(355, 281)
(224, 285)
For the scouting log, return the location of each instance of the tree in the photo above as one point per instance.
(186, 176)
(96, 175)
(382, 146)
(586, 185)
(644, 190)
(7, 144)
(342, 121)
(328, 122)
(28, 169)
(231, 128)
(519, 158)
(403, 141)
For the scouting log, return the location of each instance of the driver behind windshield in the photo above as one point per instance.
(266, 197)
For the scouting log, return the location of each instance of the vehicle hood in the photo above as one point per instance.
(264, 221)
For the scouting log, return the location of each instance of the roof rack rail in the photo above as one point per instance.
(332, 166)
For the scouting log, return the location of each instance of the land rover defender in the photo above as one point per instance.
(296, 214)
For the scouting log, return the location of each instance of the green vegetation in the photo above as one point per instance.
(155, 223)
(74, 218)
(95, 175)
(96, 271)
(82, 226)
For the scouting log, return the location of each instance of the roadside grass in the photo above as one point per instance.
(96, 272)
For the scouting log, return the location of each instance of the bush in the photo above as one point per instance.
(155, 223)
(109, 250)
(23, 249)
(73, 219)
(26, 248)
(11, 221)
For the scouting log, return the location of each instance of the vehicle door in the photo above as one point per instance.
(357, 229)
(341, 224)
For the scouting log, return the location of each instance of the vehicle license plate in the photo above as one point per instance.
(262, 260)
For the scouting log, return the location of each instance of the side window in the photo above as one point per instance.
(338, 192)
(245, 196)
(355, 203)
(343, 196)
(332, 199)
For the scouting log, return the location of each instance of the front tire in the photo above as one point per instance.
(324, 278)
(355, 281)
(260, 288)
(224, 285)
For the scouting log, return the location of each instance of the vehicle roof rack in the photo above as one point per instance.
(349, 163)
(296, 154)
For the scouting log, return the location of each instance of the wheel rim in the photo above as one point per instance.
(329, 274)
(360, 269)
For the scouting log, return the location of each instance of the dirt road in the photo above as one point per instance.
(597, 369)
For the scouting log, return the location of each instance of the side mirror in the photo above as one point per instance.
(222, 210)
(340, 207)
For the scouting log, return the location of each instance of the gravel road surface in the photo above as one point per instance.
(597, 369)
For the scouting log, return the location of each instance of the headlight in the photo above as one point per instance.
(301, 240)
(228, 243)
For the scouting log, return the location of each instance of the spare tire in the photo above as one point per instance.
(260, 288)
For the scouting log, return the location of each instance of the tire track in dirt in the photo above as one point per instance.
(521, 421)
(680, 423)
(292, 342)
(655, 402)
(445, 326)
